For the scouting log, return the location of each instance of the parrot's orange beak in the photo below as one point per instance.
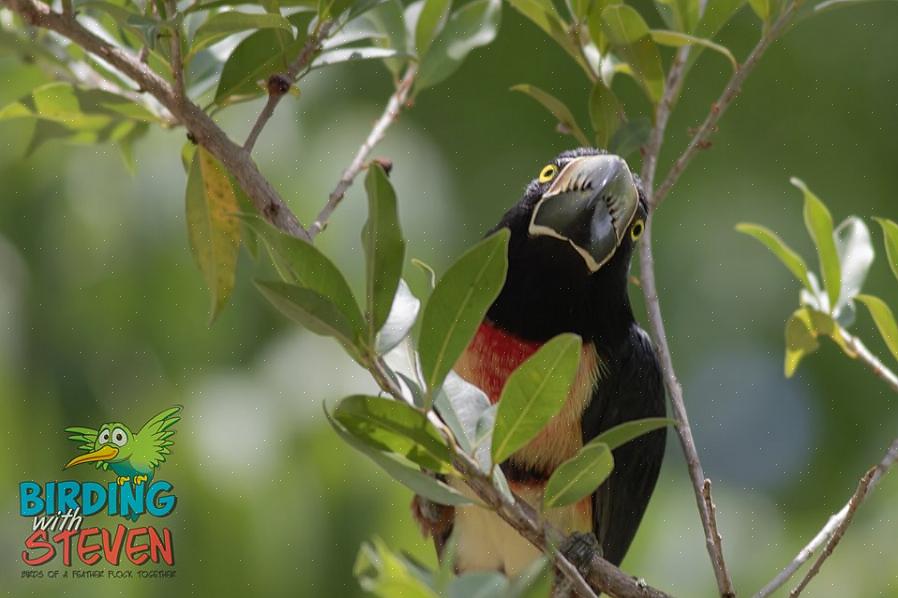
(104, 453)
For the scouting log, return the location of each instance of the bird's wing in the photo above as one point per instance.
(631, 387)
(87, 437)
(154, 438)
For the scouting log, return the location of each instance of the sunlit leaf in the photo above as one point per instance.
(675, 39)
(473, 25)
(555, 106)
(890, 232)
(534, 393)
(855, 250)
(778, 247)
(605, 112)
(819, 223)
(579, 476)
(801, 339)
(402, 471)
(384, 574)
(434, 15)
(884, 319)
(458, 304)
(396, 427)
(545, 16)
(212, 226)
(761, 8)
(340, 55)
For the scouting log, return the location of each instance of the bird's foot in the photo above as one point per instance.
(433, 519)
(122, 479)
(579, 548)
(139, 479)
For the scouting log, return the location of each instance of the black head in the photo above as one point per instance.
(572, 237)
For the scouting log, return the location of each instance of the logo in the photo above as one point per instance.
(60, 510)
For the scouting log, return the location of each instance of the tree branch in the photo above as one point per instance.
(237, 161)
(701, 486)
(834, 529)
(701, 138)
(870, 360)
(389, 116)
(279, 85)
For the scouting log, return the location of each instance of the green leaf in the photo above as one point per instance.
(605, 112)
(594, 24)
(716, 15)
(384, 248)
(396, 427)
(623, 433)
(458, 304)
(778, 247)
(884, 319)
(890, 234)
(314, 311)
(629, 33)
(301, 263)
(579, 476)
(255, 59)
(680, 15)
(219, 26)
(801, 339)
(675, 39)
(534, 393)
(534, 582)
(545, 16)
(567, 122)
(630, 137)
(855, 250)
(478, 584)
(408, 475)
(384, 574)
(353, 54)
(400, 320)
(388, 18)
(473, 25)
(819, 223)
(212, 226)
(761, 8)
(431, 21)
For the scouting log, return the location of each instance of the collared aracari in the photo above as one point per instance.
(572, 237)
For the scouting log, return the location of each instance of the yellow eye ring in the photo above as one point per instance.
(548, 173)
(637, 229)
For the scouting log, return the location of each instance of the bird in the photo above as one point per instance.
(133, 457)
(572, 237)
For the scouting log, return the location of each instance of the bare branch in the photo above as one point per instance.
(389, 116)
(237, 161)
(701, 138)
(279, 85)
(834, 529)
(870, 360)
(177, 64)
(701, 485)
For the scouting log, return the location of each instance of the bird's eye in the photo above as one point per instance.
(103, 438)
(548, 173)
(119, 437)
(637, 229)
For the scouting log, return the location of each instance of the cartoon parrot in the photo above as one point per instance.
(133, 457)
(572, 235)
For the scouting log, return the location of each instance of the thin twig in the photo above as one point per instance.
(389, 116)
(870, 360)
(837, 524)
(278, 85)
(701, 485)
(701, 138)
(177, 64)
(237, 161)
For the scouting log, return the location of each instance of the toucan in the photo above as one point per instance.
(572, 237)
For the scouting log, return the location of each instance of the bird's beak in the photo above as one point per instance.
(104, 453)
(590, 204)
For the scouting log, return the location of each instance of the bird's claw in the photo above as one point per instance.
(579, 548)
(120, 480)
(139, 479)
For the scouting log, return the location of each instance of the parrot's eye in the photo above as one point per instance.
(103, 438)
(119, 437)
(637, 229)
(548, 173)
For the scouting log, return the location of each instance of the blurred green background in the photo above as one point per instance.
(103, 315)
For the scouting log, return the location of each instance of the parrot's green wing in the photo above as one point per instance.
(152, 441)
(88, 438)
